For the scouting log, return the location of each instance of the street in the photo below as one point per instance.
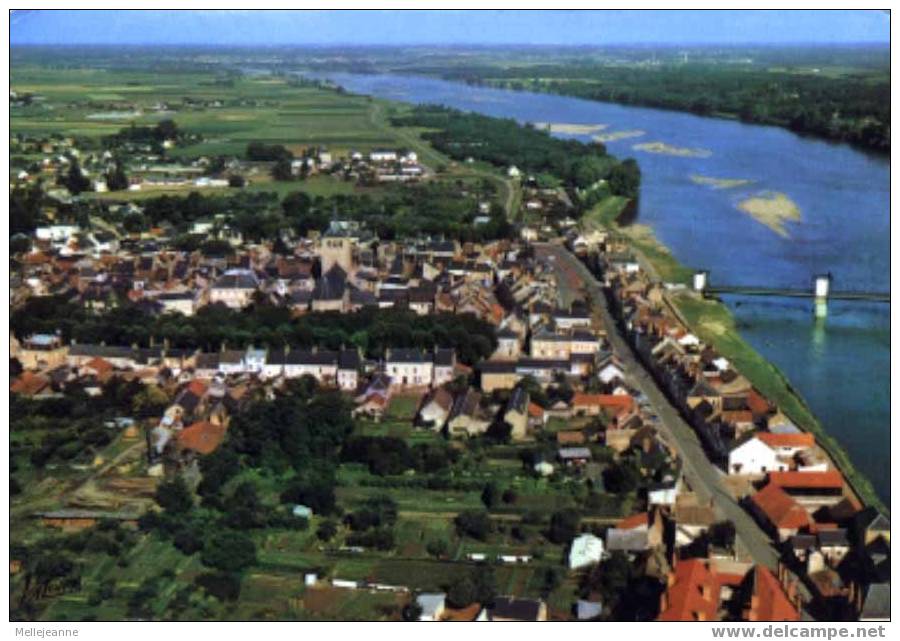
(704, 478)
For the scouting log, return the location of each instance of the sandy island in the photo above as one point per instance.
(672, 150)
(772, 209)
(570, 128)
(619, 135)
(720, 183)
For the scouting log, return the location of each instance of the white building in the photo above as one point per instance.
(586, 550)
(432, 606)
(754, 457)
(409, 367)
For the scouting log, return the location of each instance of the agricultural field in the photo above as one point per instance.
(227, 113)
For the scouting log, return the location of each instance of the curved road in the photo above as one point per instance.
(703, 477)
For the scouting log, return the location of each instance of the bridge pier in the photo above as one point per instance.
(701, 278)
(821, 288)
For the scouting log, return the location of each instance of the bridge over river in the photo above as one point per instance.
(821, 291)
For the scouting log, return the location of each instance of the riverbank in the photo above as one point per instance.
(714, 324)
(607, 214)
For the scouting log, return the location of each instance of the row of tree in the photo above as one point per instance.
(371, 329)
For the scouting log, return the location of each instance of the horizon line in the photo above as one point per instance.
(357, 45)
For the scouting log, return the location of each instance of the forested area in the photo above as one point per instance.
(506, 143)
(852, 107)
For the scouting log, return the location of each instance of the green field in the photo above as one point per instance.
(264, 109)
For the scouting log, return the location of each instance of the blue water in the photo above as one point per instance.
(841, 366)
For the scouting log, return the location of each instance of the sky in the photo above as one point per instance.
(537, 27)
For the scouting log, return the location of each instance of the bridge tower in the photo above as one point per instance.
(701, 277)
(821, 287)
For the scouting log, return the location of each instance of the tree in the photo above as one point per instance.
(188, 539)
(116, 178)
(461, 592)
(438, 548)
(474, 523)
(489, 495)
(174, 497)
(150, 401)
(281, 170)
(237, 181)
(166, 130)
(412, 611)
(75, 181)
(225, 586)
(564, 526)
(485, 584)
(499, 431)
(243, 508)
(217, 468)
(621, 477)
(625, 178)
(229, 551)
(510, 496)
(551, 580)
(316, 493)
(326, 530)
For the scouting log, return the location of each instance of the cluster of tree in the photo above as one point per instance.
(400, 211)
(480, 586)
(387, 455)
(627, 594)
(25, 209)
(504, 143)
(371, 329)
(850, 107)
(262, 152)
(147, 135)
(475, 524)
(59, 430)
(371, 525)
(49, 566)
(405, 211)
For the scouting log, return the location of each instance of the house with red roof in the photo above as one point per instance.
(202, 437)
(100, 367)
(30, 384)
(779, 512)
(611, 404)
(811, 489)
(692, 592)
(769, 601)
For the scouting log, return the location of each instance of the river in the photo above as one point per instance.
(841, 365)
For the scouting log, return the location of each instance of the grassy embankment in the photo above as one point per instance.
(641, 237)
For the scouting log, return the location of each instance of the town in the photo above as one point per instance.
(386, 382)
